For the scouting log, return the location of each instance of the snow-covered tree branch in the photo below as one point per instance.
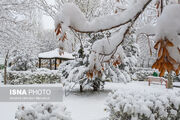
(106, 49)
(75, 19)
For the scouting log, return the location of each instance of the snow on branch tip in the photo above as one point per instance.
(71, 16)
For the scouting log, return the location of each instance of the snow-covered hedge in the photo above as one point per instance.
(144, 103)
(36, 77)
(141, 74)
(42, 111)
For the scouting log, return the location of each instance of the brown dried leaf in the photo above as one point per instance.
(154, 65)
(162, 72)
(179, 67)
(91, 75)
(156, 45)
(161, 60)
(171, 60)
(158, 66)
(102, 68)
(169, 43)
(88, 75)
(160, 52)
(177, 72)
(164, 52)
(58, 31)
(178, 49)
(58, 27)
(165, 66)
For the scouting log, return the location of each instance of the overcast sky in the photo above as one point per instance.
(47, 21)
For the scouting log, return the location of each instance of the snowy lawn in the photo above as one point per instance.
(83, 106)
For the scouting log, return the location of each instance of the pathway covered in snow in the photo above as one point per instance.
(87, 106)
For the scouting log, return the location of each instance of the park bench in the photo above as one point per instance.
(157, 79)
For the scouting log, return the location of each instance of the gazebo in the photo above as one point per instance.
(54, 55)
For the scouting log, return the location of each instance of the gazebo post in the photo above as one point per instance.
(39, 62)
(55, 63)
(50, 64)
(59, 61)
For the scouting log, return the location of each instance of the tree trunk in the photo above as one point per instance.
(5, 68)
(95, 88)
(162, 6)
(55, 64)
(50, 62)
(39, 62)
(81, 88)
(170, 81)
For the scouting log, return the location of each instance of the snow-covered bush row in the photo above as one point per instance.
(36, 77)
(142, 74)
(21, 61)
(42, 111)
(143, 103)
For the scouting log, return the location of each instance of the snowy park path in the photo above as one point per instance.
(87, 106)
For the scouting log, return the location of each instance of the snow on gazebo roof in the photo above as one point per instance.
(55, 54)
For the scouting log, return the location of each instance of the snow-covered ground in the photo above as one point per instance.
(87, 106)
(82, 106)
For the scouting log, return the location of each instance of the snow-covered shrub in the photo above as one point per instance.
(123, 72)
(143, 103)
(118, 73)
(39, 76)
(142, 74)
(42, 111)
(21, 61)
(74, 73)
(179, 78)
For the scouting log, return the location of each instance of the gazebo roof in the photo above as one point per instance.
(55, 54)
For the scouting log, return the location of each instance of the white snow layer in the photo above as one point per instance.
(137, 100)
(103, 49)
(55, 54)
(42, 111)
(87, 106)
(72, 16)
